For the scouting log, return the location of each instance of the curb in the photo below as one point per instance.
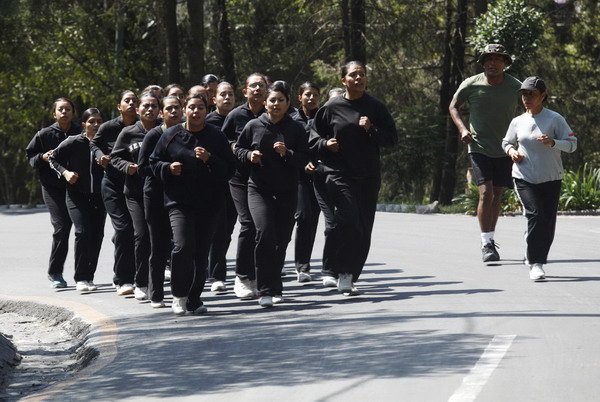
(97, 335)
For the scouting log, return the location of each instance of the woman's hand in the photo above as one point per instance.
(46, 155)
(103, 161)
(202, 154)
(310, 168)
(333, 145)
(515, 155)
(256, 156)
(175, 168)
(365, 123)
(280, 148)
(71, 177)
(132, 169)
(544, 139)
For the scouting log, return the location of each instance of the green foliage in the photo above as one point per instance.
(581, 189)
(512, 24)
(467, 202)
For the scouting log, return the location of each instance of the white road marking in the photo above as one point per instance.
(474, 382)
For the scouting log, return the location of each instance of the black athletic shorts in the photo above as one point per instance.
(497, 170)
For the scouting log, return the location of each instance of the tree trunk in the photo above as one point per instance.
(169, 8)
(357, 30)
(226, 54)
(196, 51)
(444, 102)
(346, 29)
(448, 182)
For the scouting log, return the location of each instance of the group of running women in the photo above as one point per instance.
(174, 172)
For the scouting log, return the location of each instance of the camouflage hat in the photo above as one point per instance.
(495, 48)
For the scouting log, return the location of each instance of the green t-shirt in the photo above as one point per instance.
(491, 110)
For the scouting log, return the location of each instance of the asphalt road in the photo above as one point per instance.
(434, 323)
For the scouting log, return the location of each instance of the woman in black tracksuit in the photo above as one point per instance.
(73, 159)
(307, 212)
(217, 259)
(245, 274)
(194, 161)
(53, 186)
(275, 147)
(112, 193)
(124, 157)
(157, 217)
(347, 133)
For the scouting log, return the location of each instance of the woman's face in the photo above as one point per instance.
(128, 104)
(171, 112)
(63, 112)
(148, 109)
(310, 99)
(277, 105)
(355, 80)
(211, 92)
(255, 89)
(178, 92)
(195, 112)
(224, 98)
(532, 100)
(91, 125)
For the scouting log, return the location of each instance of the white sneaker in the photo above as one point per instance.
(82, 286)
(265, 301)
(141, 293)
(329, 282)
(218, 286)
(178, 305)
(243, 288)
(91, 286)
(344, 283)
(353, 292)
(536, 272)
(304, 277)
(277, 299)
(167, 275)
(158, 304)
(125, 289)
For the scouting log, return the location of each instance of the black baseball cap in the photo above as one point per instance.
(533, 83)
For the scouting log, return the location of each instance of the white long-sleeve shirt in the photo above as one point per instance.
(541, 163)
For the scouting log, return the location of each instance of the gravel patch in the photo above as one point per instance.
(41, 345)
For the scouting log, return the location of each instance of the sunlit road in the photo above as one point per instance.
(434, 323)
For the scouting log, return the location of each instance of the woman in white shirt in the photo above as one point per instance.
(534, 141)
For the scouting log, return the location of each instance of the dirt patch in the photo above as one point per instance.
(47, 342)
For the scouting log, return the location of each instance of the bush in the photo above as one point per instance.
(581, 189)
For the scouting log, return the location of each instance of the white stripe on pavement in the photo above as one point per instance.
(474, 382)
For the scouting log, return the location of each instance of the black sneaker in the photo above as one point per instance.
(489, 252)
(57, 281)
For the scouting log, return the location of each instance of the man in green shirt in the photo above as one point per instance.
(492, 97)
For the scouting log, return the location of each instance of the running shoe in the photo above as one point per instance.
(140, 293)
(243, 288)
(277, 299)
(344, 283)
(157, 304)
(329, 281)
(265, 301)
(489, 252)
(125, 289)
(82, 286)
(178, 305)
(57, 281)
(218, 286)
(536, 273)
(304, 277)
